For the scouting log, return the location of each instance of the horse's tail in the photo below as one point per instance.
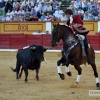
(14, 70)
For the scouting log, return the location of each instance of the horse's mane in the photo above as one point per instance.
(67, 28)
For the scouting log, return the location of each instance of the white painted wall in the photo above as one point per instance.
(14, 50)
(98, 26)
(48, 26)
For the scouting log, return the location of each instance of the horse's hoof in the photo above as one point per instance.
(97, 85)
(62, 76)
(17, 78)
(37, 79)
(76, 85)
(69, 74)
(25, 81)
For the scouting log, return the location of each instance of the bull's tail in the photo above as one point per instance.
(14, 70)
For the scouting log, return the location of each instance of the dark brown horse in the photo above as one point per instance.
(72, 51)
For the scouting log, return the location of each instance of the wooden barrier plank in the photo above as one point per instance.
(34, 39)
(95, 46)
(30, 27)
(4, 44)
(4, 36)
(17, 41)
(4, 41)
(94, 40)
(46, 39)
(47, 42)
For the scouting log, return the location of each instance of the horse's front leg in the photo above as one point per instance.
(67, 70)
(59, 69)
(95, 74)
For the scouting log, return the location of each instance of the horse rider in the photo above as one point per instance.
(76, 23)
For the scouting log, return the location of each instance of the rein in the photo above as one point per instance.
(58, 36)
(67, 41)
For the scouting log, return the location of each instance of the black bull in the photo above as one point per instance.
(29, 58)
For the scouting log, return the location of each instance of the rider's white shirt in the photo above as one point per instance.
(71, 19)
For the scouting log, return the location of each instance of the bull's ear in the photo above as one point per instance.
(33, 48)
(45, 48)
(54, 25)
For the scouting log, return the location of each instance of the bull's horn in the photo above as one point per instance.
(33, 48)
(46, 48)
(45, 60)
(54, 25)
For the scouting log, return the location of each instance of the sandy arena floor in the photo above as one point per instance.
(50, 86)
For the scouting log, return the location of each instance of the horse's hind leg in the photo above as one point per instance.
(59, 69)
(95, 74)
(79, 69)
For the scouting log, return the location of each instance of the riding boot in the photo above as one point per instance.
(89, 59)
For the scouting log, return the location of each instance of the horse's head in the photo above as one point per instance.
(56, 35)
(60, 32)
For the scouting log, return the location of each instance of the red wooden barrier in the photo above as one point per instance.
(15, 41)
(34, 39)
(46, 39)
(94, 40)
(4, 41)
(47, 42)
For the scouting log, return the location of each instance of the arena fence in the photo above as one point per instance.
(43, 26)
(14, 41)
